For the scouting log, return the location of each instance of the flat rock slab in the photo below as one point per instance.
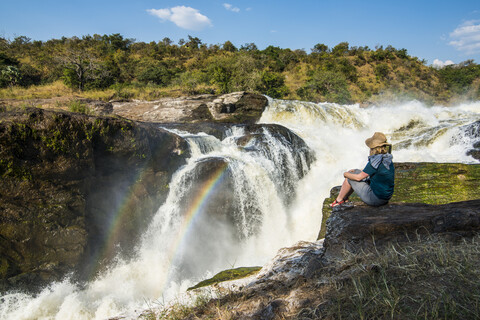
(363, 227)
(236, 107)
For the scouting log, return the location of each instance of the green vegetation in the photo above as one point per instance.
(112, 67)
(180, 310)
(78, 106)
(226, 275)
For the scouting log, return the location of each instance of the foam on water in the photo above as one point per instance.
(264, 220)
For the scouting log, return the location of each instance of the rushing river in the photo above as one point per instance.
(275, 199)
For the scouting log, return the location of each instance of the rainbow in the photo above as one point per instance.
(199, 202)
(116, 225)
(118, 221)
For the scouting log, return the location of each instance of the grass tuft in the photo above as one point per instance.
(77, 106)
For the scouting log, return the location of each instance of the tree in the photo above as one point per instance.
(328, 86)
(116, 42)
(341, 49)
(9, 76)
(193, 42)
(381, 71)
(320, 48)
(273, 85)
(249, 47)
(166, 42)
(228, 46)
(79, 62)
(157, 73)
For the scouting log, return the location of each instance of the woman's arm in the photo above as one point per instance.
(355, 176)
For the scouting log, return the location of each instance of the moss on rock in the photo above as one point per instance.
(227, 275)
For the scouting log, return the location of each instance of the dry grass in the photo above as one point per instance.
(56, 89)
(428, 280)
(135, 91)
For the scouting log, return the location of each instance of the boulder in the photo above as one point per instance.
(429, 183)
(74, 188)
(356, 228)
(236, 107)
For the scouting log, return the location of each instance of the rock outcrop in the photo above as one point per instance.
(429, 183)
(73, 187)
(364, 228)
(237, 107)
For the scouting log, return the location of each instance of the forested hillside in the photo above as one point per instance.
(123, 68)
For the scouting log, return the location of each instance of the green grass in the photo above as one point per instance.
(231, 274)
(77, 106)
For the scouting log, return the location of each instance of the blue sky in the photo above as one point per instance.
(443, 30)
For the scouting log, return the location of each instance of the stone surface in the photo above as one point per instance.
(74, 188)
(429, 183)
(237, 107)
(363, 228)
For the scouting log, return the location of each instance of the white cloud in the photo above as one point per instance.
(184, 17)
(466, 37)
(439, 64)
(229, 7)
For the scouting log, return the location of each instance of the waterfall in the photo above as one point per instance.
(241, 198)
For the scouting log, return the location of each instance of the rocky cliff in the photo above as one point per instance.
(387, 262)
(73, 187)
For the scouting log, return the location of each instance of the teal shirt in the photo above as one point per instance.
(381, 180)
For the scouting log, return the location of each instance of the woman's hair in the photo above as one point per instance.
(381, 150)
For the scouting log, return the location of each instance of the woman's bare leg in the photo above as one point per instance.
(345, 191)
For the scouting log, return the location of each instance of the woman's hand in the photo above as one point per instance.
(355, 176)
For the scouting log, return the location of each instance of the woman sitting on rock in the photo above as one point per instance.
(374, 185)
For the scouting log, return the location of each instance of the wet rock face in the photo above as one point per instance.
(73, 187)
(236, 107)
(472, 131)
(289, 151)
(291, 154)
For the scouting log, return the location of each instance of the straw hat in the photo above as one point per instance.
(378, 139)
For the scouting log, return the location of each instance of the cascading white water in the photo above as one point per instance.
(261, 177)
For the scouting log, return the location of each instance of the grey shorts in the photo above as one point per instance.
(363, 190)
